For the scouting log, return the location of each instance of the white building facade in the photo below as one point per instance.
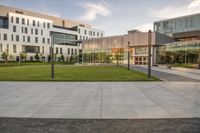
(31, 35)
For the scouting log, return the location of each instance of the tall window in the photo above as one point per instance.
(7, 48)
(48, 25)
(36, 31)
(12, 38)
(12, 19)
(61, 51)
(56, 50)
(23, 21)
(43, 40)
(48, 41)
(1, 47)
(36, 39)
(31, 30)
(27, 21)
(85, 32)
(22, 29)
(68, 51)
(17, 38)
(14, 48)
(41, 32)
(75, 51)
(44, 24)
(14, 28)
(38, 24)
(5, 37)
(28, 39)
(43, 49)
(23, 38)
(17, 20)
(33, 22)
(26, 30)
(72, 51)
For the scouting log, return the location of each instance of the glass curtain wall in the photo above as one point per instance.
(184, 52)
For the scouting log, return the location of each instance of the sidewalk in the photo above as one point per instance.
(98, 100)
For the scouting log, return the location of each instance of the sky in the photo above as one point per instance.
(115, 17)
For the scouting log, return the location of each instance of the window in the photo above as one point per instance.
(14, 48)
(22, 29)
(23, 38)
(5, 37)
(36, 31)
(98, 34)
(48, 25)
(93, 33)
(75, 51)
(44, 24)
(27, 21)
(38, 24)
(14, 28)
(17, 20)
(1, 48)
(43, 49)
(7, 48)
(12, 38)
(72, 51)
(79, 31)
(43, 40)
(56, 50)
(28, 39)
(17, 38)
(68, 51)
(80, 37)
(12, 19)
(101, 34)
(41, 32)
(61, 51)
(26, 30)
(36, 39)
(48, 41)
(31, 30)
(85, 32)
(23, 21)
(33, 22)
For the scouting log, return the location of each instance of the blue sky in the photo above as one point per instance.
(113, 16)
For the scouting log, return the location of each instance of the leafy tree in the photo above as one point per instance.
(62, 58)
(4, 56)
(37, 57)
(23, 56)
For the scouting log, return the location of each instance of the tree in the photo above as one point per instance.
(37, 57)
(4, 56)
(62, 58)
(23, 56)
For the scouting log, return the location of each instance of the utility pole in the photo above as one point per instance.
(149, 54)
(129, 56)
(52, 56)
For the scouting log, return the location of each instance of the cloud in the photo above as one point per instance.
(145, 27)
(195, 3)
(171, 12)
(94, 9)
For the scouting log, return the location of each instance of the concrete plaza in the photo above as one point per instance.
(96, 100)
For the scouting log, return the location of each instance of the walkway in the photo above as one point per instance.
(100, 99)
(170, 75)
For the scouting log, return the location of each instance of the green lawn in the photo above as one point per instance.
(70, 73)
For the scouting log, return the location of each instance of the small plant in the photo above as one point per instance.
(37, 57)
(23, 56)
(4, 56)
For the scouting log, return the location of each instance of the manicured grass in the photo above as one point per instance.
(185, 65)
(70, 73)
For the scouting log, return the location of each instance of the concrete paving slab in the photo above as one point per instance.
(96, 100)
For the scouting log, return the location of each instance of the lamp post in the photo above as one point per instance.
(129, 56)
(20, 58)
(149, 54)
(52, 54)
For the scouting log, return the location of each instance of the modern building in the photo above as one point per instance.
(115, 48)
(185, 28)
(185, 32)
(28, 32)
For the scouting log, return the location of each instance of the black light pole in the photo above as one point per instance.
(52, 54)
(149, 54)
(129, 56)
